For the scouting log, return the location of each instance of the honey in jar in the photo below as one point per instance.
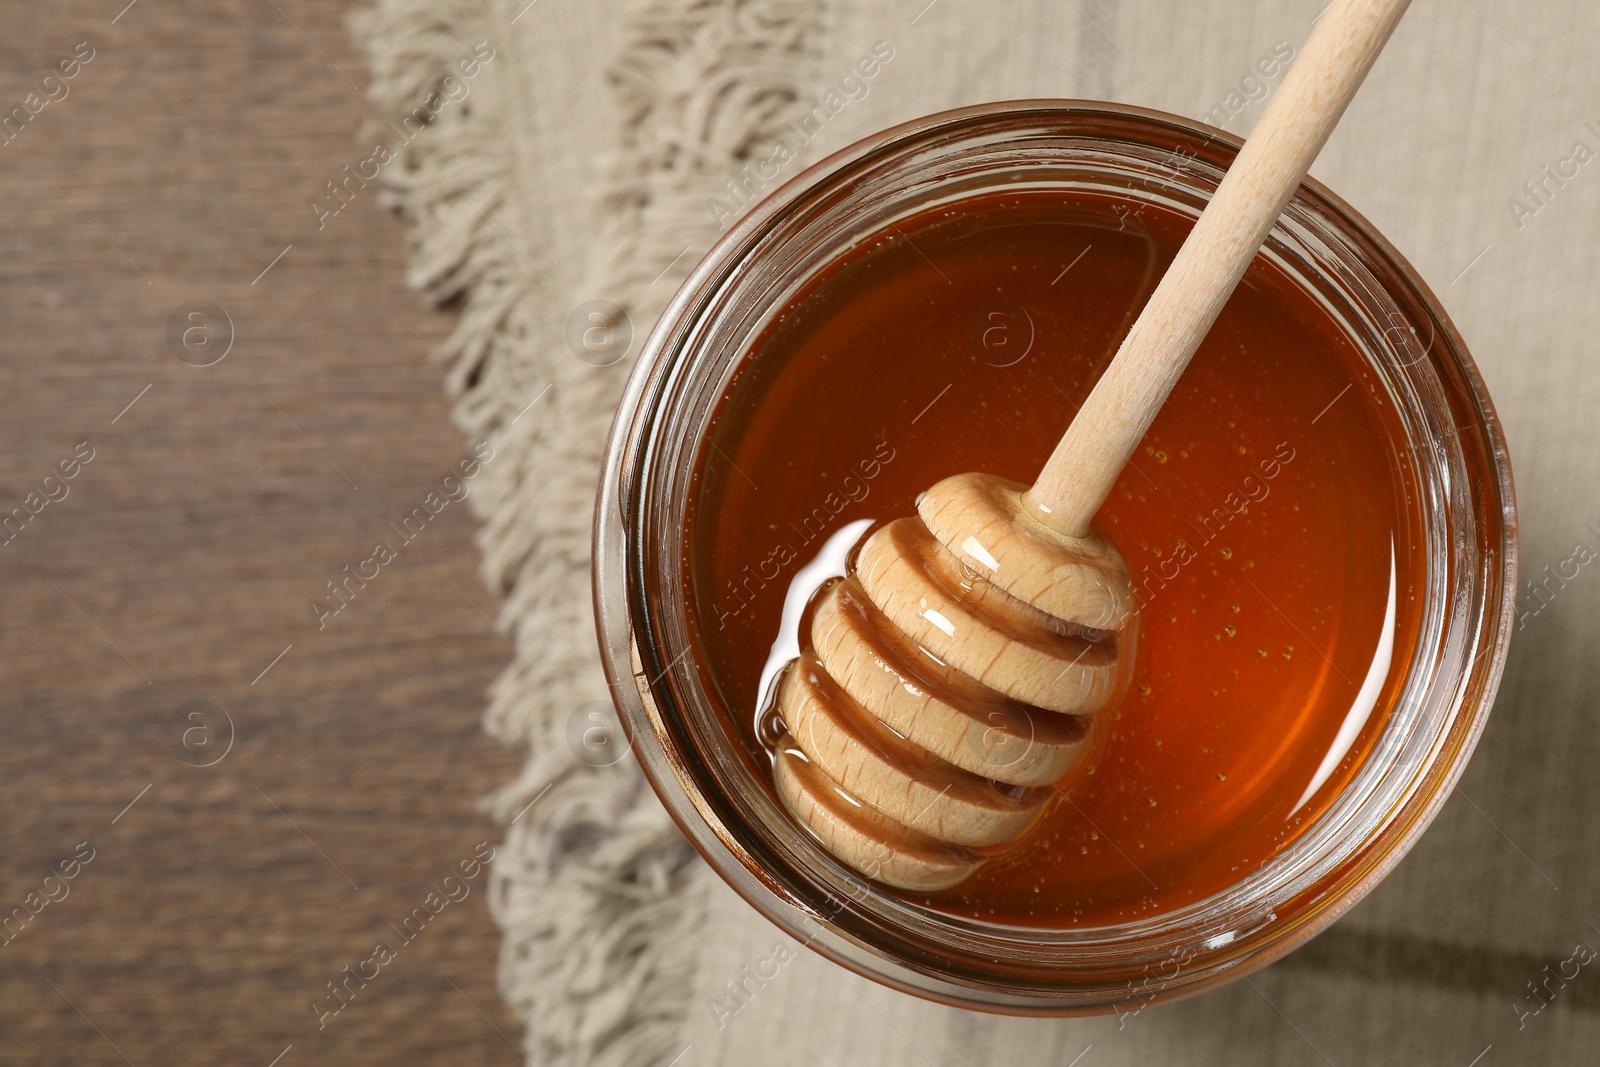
(1266, 519)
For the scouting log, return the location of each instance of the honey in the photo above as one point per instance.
(1268, 519)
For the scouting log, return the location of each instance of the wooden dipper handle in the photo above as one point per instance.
(1081, 471)
(950, 676)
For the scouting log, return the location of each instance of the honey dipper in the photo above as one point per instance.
(948, 676)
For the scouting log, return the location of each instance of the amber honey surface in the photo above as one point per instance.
(1268, 521)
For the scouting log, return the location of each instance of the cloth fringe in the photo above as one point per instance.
(594, 887)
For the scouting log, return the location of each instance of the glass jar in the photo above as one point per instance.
(1466, 514)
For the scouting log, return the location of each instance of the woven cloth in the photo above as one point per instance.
(588, 156)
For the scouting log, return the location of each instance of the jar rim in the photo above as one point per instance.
(815, 913)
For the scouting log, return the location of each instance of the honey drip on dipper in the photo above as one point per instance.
(945, 682)
(949, 676)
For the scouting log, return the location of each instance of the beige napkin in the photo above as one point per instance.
(590, 159)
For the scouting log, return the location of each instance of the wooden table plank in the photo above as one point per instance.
(185, 553)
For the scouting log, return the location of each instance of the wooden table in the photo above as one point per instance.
(179, 566)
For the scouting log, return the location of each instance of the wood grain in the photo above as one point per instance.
(183, 557)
